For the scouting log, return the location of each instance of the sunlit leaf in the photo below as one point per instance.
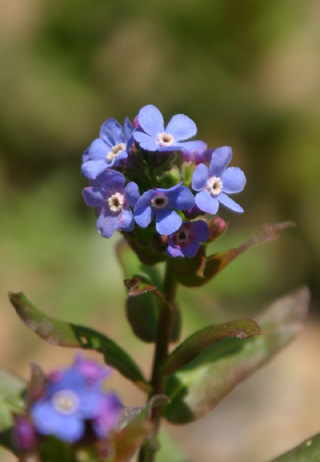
(308, 451)
(199, 270)
(213, 335)
(66, 334)
(196, 388)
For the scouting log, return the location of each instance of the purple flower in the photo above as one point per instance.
(216, 181)
(186, 241)
(109, 149)
(160, 203)
(70, 402)
(112, 201)
(24, 434)
(199, 155)
(152, 135)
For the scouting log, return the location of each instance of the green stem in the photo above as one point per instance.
(147, 452)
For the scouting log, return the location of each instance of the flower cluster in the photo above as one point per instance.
(151, 176)
(70, 404)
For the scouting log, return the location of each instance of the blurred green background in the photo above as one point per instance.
(246, 72)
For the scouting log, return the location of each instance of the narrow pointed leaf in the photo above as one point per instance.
(213, 335)
(196, 388)
(139, 286)
(308, 451)
(66, 334)
(200, 273)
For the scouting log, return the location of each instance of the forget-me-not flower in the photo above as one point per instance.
(69, 402)
(215, 182)
(112, 201)
(109, 149)
(186, 241)
(160, 203)
(153, 136)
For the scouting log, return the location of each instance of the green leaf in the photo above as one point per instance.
(143, 314)
(197, 388)
(135, 429)
(12, 391)
(66, 334)
(199, 270)
(193, 346)
(308, 451)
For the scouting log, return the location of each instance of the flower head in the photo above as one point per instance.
(113, 201)
(186, 241)
(160, 203)
(153, 136)
(199, 155)
(215, 182)
(70, 402)
(109, 149)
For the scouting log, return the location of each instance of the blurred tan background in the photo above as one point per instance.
(248, 74)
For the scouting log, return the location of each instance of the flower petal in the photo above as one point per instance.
(181, 199)
(206, 202)
(92, 168)
(233, 180)
(127, 130)
(181, 127)
(146, 141)
(200, 177)
(125, 221)
(151, 120)
(190, 250)
(174, 251)
(99, 149)
(201, 230)
(229, 203)
(93, 196)
(71, 430)
(107, 223)
(111, 180)
(132, 193)
(109, 414)
(44, 417)
(143, 212)
(220, 159)
(111, 132)
(167, 221)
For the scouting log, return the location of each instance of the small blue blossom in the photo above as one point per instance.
(112, 201)
(215, 182)
(199, 155)
(186, 241)
(109, 149)
(160, 203)
(69, 401)
(152, 136)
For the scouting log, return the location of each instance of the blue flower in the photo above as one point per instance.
(109, 149)
(186, 241)
(160, 203)
(152, 135)
(215, 182)
(69, 402)
(112, 201)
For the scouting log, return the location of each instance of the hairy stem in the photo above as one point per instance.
(147, 452)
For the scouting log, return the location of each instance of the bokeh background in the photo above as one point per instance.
(248, 74)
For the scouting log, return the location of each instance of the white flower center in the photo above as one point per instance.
(65, 401)
(116, 202)
(214, 186)
(159, 201)
(115, 151)
(165, 139)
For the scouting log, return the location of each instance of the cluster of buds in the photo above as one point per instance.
(69, 404)
(159, 190)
